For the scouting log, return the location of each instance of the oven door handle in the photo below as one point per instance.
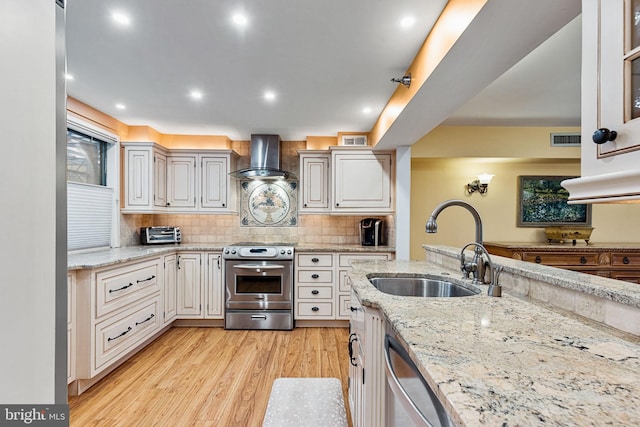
(259, 266)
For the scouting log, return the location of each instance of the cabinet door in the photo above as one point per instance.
(214, 286)
(362, 182)
(170, 287)
(189, 284)
(213, 182)
(314, 183)
(159, 180)
(138, 179)
(619, 85)
(181, 182)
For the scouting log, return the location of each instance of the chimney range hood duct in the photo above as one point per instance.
(265, 160)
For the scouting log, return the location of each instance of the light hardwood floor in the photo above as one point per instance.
(210, 377)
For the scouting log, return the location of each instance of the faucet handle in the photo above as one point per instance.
(495, 290)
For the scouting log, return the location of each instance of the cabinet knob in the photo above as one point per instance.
(583, 260)
(625, 260)
(315, 276)
(315, 260)
(315, 309)
(538, 260)
(315, 292)
(603, 135)
(352, 308)
(304, 204)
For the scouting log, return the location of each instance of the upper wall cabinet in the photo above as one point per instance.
(346, 181)
(610, 102)
(178, 181)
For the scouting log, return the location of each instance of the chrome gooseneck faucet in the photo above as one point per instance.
(432, 227)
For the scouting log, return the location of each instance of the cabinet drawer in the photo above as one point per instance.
(625, 259)
(315, 260)
(315, 309)
(344, 306)
(561, 259)
(119, 334)
(315, 276)
(115, 288)
(344, 260)
(314, 292)
(632, 276)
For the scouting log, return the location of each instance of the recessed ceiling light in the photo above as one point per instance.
(366, 110)
(68, 76)
(196, 94)
(121, 107)
(270, 95)
(240, 19)
(407, 21)
(120, 18)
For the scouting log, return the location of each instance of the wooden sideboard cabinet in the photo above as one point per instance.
(617, 261)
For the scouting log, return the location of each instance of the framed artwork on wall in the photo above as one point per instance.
(542, 202)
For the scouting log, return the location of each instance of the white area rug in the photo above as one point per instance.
(306, 402)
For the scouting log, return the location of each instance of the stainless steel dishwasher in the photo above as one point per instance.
(409, 399)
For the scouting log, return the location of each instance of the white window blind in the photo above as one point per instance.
(89, 215)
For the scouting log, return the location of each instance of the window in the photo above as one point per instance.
(93, 217)
(86, 159)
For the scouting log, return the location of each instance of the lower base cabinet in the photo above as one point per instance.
(200, 293)
(321, 291)
(367, 366)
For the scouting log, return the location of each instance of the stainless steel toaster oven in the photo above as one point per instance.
(159, 235)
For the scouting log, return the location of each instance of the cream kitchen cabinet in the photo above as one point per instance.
(315, 182)
(367, 369)
(118, 308)
(145, 177)
(611, 100)
(314, 286)
(214, 289)
(362, 181)
(189, 284)
(158, 180)
(199, 286)
(170, 265)
(321, 287)
(181, 182)
(342, 300)
(346, 180)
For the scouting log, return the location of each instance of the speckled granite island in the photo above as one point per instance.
(532, 357)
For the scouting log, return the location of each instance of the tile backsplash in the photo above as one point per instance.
(225, 229)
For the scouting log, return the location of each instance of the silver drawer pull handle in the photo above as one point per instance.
(258, 317)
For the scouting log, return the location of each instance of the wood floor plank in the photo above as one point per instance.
(209, 377)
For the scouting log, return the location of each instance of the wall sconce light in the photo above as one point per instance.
(405, 80)
(481, 184)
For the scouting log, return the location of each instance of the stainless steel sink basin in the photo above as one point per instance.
(421, 287)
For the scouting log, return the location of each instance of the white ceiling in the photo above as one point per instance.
(325, 60)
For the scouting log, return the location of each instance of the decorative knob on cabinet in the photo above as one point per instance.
(603, 135)
(315, 292)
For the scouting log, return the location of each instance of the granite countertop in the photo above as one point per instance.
(105, 257)
(510, 361)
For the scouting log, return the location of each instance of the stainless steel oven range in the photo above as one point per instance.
(259, 286)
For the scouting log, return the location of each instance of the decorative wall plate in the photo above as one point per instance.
(269, 203)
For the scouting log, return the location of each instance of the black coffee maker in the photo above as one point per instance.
(372, 232)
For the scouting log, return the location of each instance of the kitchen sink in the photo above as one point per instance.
(422, 287)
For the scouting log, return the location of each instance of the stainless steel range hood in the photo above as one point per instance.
(265, 160)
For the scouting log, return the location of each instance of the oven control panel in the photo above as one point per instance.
(257, 252)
